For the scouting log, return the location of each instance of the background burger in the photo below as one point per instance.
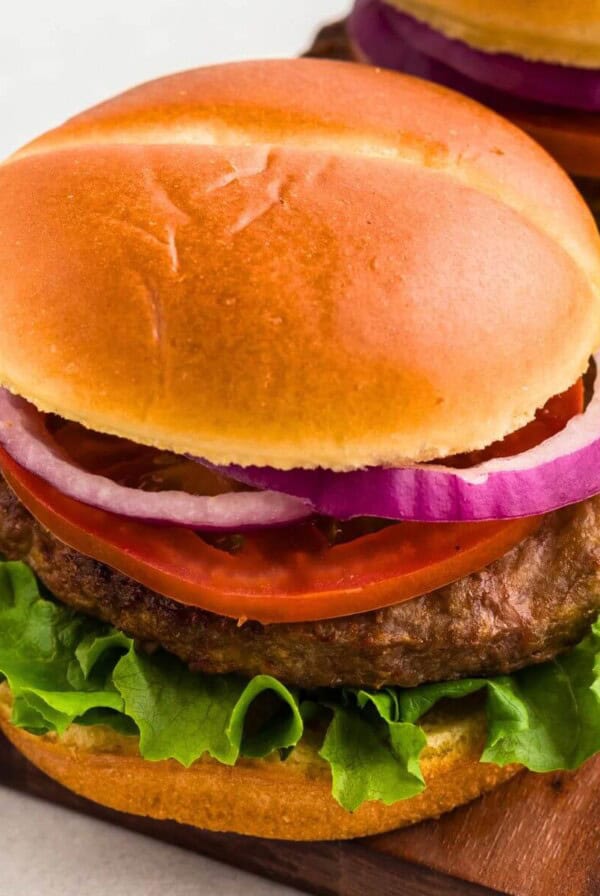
(295, 439)
(539, 65)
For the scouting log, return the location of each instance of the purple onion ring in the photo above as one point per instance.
(390, 38)
(24, 436)
(562, 470)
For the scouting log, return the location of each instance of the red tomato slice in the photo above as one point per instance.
(573, 138)
(547, 422)
(292, 574)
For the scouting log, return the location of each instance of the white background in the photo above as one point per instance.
(59, 56)
(56, 57)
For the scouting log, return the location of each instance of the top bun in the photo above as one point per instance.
(564, 31)
(296, 263)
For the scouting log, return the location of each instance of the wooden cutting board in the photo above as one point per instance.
(535, 836)
(538, 835)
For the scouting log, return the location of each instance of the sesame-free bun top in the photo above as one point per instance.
(295, 263)
(563, 31)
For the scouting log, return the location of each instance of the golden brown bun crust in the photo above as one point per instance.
(565, 31)
(295, 263)
(262, 798)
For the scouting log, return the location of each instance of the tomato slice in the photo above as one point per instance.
(276, 576)
(547, 422)
(573, 138)
(292, 574)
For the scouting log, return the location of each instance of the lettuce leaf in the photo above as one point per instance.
(63, 667)
(372, 759)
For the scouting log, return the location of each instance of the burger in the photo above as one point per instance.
(538, 65)
(300, 452)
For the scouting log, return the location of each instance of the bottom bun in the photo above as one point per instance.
(288, 800)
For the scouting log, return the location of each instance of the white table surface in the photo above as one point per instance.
(56, 58)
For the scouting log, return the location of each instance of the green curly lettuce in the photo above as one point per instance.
(63, 667)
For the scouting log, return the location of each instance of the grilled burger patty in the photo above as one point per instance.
(526, 607)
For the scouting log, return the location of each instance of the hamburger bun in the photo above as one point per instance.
(288, 800)
(540, 30)
(296, 263)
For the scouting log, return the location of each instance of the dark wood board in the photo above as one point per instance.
(538, 835)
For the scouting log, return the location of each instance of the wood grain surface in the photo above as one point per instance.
(535, 836)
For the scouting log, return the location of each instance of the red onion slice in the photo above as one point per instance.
(562, 470)
(25, 437)
(393, 39)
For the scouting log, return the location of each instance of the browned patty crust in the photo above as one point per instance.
(529, 605)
